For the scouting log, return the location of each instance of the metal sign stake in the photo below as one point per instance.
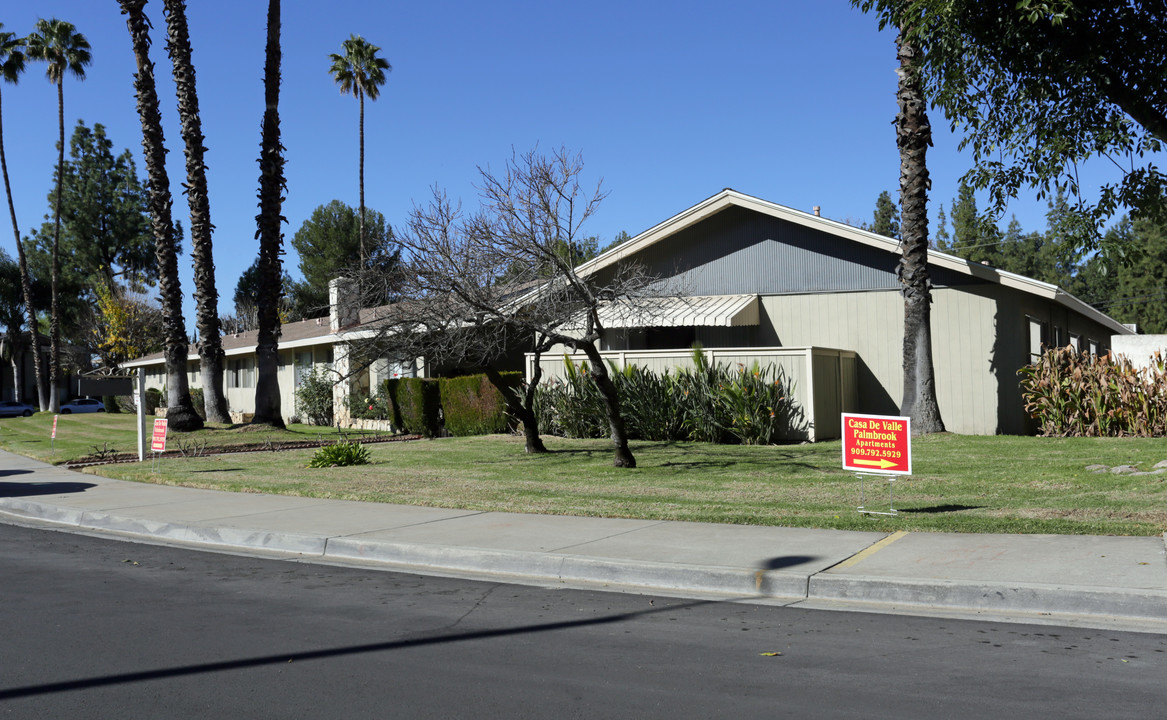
(863, 495)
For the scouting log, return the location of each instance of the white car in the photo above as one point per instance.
(82, 405)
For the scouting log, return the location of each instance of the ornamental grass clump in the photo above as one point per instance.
(340, 454)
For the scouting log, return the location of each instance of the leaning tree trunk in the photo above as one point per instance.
(206, 296)
(913, 136)
(607, 390)
(54, 307)
(271, 185)
(522, 410)
(25, 282)
(180, 411)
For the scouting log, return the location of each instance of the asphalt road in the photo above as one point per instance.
(98, 628)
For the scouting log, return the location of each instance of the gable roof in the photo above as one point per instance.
(731, 198)
(302, 333)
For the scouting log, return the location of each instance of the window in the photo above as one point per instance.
(1093, 346)
(241, 373)
(1038, 338)
(1075, 342)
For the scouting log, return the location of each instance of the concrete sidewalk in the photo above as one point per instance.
(1118, 582)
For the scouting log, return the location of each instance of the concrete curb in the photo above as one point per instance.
(831, 585)
(1028, 598)
(574, 568)
(194, 533)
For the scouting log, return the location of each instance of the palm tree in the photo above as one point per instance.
(271, 185)
(11, 65)
(359, 71)
(206, 297)
(913, 136)
(58, 43)
(180, 411)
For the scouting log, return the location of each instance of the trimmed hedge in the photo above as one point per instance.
(472, 405)
(415, 404)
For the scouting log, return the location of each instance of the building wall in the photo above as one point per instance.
(980, 339)
(239, 377)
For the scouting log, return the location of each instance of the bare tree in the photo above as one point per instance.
(481, 283)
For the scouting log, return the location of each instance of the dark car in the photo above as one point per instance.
(82, 405)
(11, 408)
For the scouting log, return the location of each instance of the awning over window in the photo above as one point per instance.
(704, 310)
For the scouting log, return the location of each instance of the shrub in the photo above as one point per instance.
(314, 397)
(154, 399)
(340, 454)
(649, 403)
(370, 407)
(1073, 394)
(472, 405)
(416, 405)
(704, 403)
(197, 400)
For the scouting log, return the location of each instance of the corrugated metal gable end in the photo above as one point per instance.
(946, 269)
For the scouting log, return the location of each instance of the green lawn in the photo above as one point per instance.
(962, 483)
(79, 436)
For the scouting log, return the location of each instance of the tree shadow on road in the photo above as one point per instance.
(9, 490)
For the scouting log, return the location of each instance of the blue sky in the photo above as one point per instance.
(668, 102)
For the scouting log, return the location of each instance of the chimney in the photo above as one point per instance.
(343, 311)
(817, 210)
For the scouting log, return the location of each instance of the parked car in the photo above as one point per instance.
(82, 405)
(11, 408)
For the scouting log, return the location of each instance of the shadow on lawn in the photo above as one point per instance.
(941, 509)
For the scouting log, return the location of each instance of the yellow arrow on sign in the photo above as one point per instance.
(880, 463)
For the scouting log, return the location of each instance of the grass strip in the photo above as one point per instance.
(968, 484)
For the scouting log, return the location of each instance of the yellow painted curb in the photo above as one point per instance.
(868, 552)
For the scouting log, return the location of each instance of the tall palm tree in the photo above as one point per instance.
(359, 71)
(11, 65)
(913, 136)
(206, 297)
(58, 43)
(271, 186)
(180, 411)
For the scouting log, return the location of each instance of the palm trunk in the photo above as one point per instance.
(55, 310)
(206, 296)
(25, 281)
(16, 347)
(180, 411)
(913, 136)
(361, 98)
(271, 184)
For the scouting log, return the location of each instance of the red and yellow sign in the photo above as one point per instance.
(877, 444)
(158, 440)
